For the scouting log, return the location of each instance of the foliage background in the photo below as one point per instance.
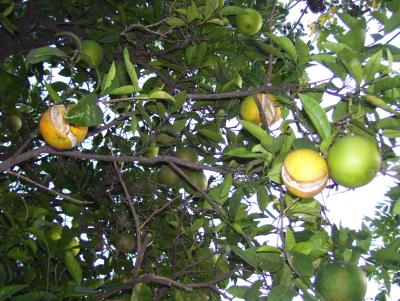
(188, 242)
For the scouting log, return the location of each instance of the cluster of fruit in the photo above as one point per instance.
(352, 161)
(167, 176)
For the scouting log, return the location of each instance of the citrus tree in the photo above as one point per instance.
(174, 150)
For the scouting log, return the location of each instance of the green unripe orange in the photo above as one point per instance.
(13, 123)
(250, 22)
(188, 154)
(353, 161)
(341, 282)
(91, 53)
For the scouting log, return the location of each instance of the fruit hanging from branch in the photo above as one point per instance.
(249, 110)
(250, 22)
(353, 161)
(304, 173)
(57, 131)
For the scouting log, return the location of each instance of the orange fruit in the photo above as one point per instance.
(353, 161)
(91, 53)
(57, 131)
(304, 173)
(249, 109)
(341, 282)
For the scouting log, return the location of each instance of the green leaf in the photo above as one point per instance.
(266, 139)
(263, 198)
(108, 79)
(73, 267)
(303, 53)
(287, 45)
(213, 135)
(192, 12)
(373, 66)
(42, 54)
(161, 95)
(226, 186)
(392, 23)
(329, 61)
(355, 39)
(380, 103)
(289, 239)
(396, 208)
(355, 68)
(131, 70)
(280, 293)
(242, 153)
(232, 11)
(52, 93)
(176, 22)
(86, 112)
(7, 291)
(141, 292)
(190, 54)
(129, 89)
(201, 52)
(238, 291)
(302, 264)
(317, 115)
(35, 296)
(390, 252)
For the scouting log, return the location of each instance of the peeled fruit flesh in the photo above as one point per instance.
(353, 161)
(250, 22)
(91, 53)
(57, 131)
(249, 110)
(304, 173)
(341, 282)
(13, 123)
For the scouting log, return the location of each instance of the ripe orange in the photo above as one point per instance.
(305, 173)
(341, 282)
(91, 53)
(57, 131)
(353, 161)
(250, 22)
(249, 109)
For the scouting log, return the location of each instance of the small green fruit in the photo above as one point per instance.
(167, 176)
(249, 23)
(188, 154)
(91, 53)
(13, 123)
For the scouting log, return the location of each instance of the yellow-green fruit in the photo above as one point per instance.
(73, 246)
(249, 110)
(167, 176)
(188, 154)
(163, 138)
(54, 232)
(304, 173)
(125, 243)
(353, 161)
(199, 179)
(341, 282)
(250, 22)
(13, 123)
(91, 53)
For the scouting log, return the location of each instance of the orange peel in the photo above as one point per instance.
(249, 110)
(57, 131)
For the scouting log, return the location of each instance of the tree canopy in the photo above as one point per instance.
(174, 194)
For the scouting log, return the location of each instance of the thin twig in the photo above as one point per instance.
(131, 206)
(48, 190)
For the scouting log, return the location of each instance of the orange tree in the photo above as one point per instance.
(150, 78)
